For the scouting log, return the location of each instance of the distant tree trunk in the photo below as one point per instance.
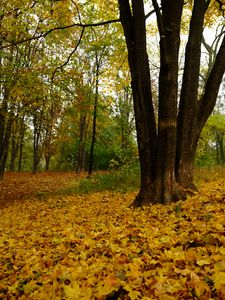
(3, 113)
(47, 162)
(222, 149)
(6, 120)
(21, 142)
(125, 118)
(36, 144)
(4, 149)
(20, 156)
(219, 148)
(94, 116)
(48, 150)
(14, 151)
(14, 144)
(81, 143)
(35, 156)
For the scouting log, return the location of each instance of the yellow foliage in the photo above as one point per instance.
(96, 247)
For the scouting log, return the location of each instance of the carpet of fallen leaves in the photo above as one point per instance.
(17, 186)
(96, 247)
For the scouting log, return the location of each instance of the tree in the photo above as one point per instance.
(166, 142)
(167, 149)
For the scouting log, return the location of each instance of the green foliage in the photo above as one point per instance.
(211, 145)
(123, 180)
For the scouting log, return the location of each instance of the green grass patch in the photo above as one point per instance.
(114, 181)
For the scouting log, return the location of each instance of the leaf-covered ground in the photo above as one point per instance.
(17, 186)
(96, 247)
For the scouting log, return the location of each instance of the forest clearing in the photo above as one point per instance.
(112, 150)
(94, 246)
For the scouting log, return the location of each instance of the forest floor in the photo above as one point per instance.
(20, 186)
(93, 246)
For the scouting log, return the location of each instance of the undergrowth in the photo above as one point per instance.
(126, 179)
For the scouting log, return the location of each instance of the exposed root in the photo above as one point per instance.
(146, 196)
(150, 195)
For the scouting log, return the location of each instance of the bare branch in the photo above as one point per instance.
(149, 14)
(60, 28)
(78, 11)
(159, 18)
(68, 58)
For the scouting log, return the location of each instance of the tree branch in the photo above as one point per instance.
(149, 14)
(70, 55)
(159, 18)
(208, 101)
(60, 28)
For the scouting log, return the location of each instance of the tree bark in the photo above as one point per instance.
(21, 142)
(36, 143)
(6, 120)
(187, 129)
(81, 143)
(94, 116)
(156, 152)
(135, 34)
(169, 28)
(167, 155)
(14, 150)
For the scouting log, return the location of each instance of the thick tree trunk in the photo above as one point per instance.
(135, 34)
(167, 156)
(187, 129)
(156, 153)
(169, 28)
(193, 113)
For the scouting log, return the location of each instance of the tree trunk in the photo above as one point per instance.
(94, 117)
(167, 156)
(20, 156)
(81, 143)
(36, 146)
(14, 150)
(157, 174)
(187, 129)
(5, 147)
(193, 113)
(6, 120)
(222, 150)
(21, 143)
(169, 28)
(135, 34)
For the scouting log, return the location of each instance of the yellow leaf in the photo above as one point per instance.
(219, 280)
(202, 262)
(72, 292)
